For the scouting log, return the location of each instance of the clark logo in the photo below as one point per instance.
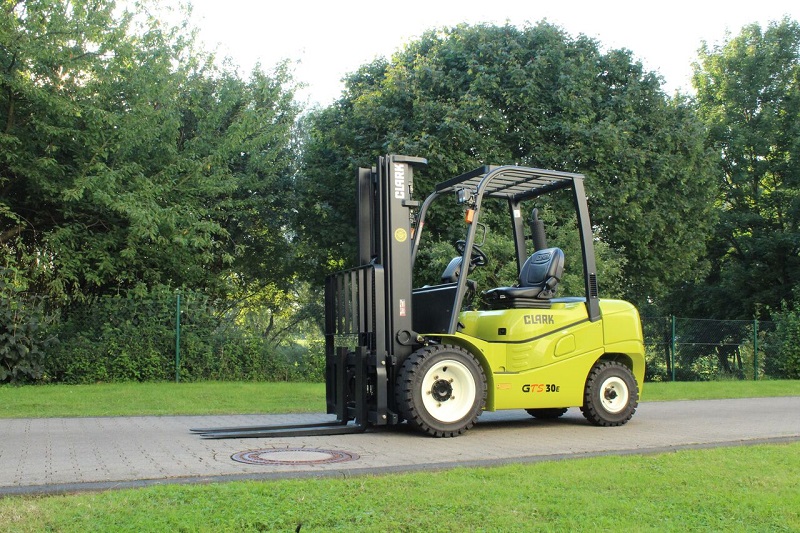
(539, 319)
(399, 181)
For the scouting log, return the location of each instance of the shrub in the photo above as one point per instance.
(115, 338)
(23, 334)
(784, 358)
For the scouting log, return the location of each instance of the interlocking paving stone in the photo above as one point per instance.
(66, 454)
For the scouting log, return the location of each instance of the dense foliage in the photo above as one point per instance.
(134, 338)
(748, 93)
(786, 363)
(130, 161)
(24, 335)
(467, 96)
(134, 164)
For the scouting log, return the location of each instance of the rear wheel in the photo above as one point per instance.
(441, 390)
(611, 394)
(547, 414)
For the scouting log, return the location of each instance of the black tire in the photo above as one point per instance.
(548, 413)
(611, 394)
(441, 390)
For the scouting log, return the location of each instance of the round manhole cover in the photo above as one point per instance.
(293, 456)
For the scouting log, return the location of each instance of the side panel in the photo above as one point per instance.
(538, 358)
(556, 385)
(559, 384)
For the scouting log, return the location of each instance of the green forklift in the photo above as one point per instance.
(437, 355)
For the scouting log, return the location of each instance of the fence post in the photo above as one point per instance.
(755, 349)
(177, 335)
(672, 348)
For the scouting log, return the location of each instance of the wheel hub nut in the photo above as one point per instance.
(442, 390)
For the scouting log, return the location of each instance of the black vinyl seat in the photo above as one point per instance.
(538, 281)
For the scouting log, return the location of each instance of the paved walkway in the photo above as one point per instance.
(70, 454)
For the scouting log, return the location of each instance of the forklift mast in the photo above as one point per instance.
(385, 233)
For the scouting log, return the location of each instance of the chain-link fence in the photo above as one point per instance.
(166, 335)
(690, 349)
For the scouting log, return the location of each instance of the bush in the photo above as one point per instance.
(114, 338)
(23, 334)
(784, 357)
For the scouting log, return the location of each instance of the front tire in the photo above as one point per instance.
(611, 395)
(441, 390)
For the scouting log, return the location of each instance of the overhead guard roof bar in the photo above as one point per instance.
(513, 182)
(505, 182)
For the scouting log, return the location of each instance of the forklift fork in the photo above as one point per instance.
(347, 405)
(293, 430)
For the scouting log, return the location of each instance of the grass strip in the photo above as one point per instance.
(132, 399)
(215, 397)
(752, 488)
(719, 390)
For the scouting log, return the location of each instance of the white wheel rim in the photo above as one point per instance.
(448, 391)
(614, 394)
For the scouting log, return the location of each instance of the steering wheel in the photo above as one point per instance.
(478, 257)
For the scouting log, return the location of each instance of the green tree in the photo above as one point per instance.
(128, 160)
(748, 92)
(471, 95)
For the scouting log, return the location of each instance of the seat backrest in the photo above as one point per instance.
(544, 269)
(453, 271)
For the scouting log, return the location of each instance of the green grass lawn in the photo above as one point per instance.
(752, 488)
(130, 399)
(127, 399)
(717, 390)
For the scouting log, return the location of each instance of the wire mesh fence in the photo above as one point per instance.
(182, 335)
(169, 335)
(690, 349)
